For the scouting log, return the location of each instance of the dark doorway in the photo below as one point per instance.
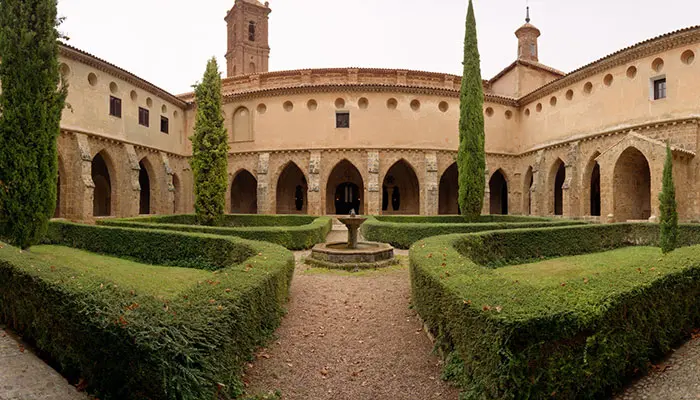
(448, 191)
(559, 190)
(498, 188)
(344, 190)
(244, 194)
(145, 198)
(347, 198)
(102, 198)
(291, 191)
(401, 183)
(595, 191)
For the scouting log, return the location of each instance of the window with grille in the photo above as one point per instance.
(164, 125)
(660, 89)
(342, 120)
(115, 107)
(144, 118)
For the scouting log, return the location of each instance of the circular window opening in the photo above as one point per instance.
(553, 101)
(175, 114)
(527, 112)
(657, 65)
(312, 105)
(65, 70)
(443, 106)
(415, 105)
(164, 109)
(489, 111)
(149, 102)
(509, 114)
(608, 80)
(363, 103)
(339, 103)
(262, 108)
(588, 88)
(113, 88)
(288, 106)
(569, 94)
(538, 107)
(92, 79)
(134, 96)
(392, 104)
(631, 72)
(687, 57)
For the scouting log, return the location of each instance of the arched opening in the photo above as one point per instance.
(595, 191)
(145, 183)
(559, 174)
(344, 190)
(632, 186)
(291, 191)
(448, 200)
(102, 198)
(401, 190)
(498, 187)
(177, 195)
(527, 191)
(241, 131)
(244, 193)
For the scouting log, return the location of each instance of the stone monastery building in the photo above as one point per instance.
(590, 143)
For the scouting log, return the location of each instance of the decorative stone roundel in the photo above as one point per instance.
(444, 106)
(134, 96)
(631, 72)
(262, 108)
(588, 88)
(175, 114)
(65, 70)
(489, 111)
(363, 103)
(569, 94)
(608, 80)
(288, 106)
(553, 101)
(312, 105)
(527, 112)
(92, 79)
(415, 105)
(339, 103)
(509, 114)
(539, 107)
(688, 57)
(164, 109)
(113, 88)
(392, 104)
(149, 102)
(657, 65)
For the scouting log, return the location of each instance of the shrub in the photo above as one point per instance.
(133, 345)
(402, 234)
(293, 237)
(31, 102)
(667, 205)
(524, 332)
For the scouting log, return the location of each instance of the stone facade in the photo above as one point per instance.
(588, 144)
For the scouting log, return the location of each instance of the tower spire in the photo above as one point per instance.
(527, 15)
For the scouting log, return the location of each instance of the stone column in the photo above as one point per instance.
(84, 189)
(430, 205)
(128, 206)
(570, 189)
(169, 195)
(314, 196)
(538, 192)
(516, 188)
(486, 204)
(373, 198)
(263, 183)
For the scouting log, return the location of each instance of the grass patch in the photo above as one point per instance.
(157, 281)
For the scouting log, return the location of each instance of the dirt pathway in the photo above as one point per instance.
(350, 336)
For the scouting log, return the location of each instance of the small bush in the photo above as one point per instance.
(132, 345)
(402, 232)
(290, 231)
(579, 333)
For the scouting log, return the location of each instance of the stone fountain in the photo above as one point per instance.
(352, 255)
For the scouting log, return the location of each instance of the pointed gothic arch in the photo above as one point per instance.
(528, 182)
(292, 190)
(557, 176)
(244, 193)
(345, 189)
(401, 190)
(631, 186)
(591, 187)
(102, 172)
(147, 188)
(498, 197)
(448, 200)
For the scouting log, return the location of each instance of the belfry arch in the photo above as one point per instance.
(401, 190)
(448, 201)
(498, 197)
(102, 194)
(631, 186)
(345, 190)
(244, 193)
(292, 189)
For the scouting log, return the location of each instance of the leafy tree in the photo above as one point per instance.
(32, 99)
(471, 159)
(667, 204)
(209, 149)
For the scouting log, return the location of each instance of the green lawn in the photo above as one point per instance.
(155, 280)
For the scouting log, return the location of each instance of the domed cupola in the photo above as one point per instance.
(527, 40)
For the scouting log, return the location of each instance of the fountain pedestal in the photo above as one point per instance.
(352, 255)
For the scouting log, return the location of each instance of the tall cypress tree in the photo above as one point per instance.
(667, 205)
(209, 149)
(471, 160)
(32, 99)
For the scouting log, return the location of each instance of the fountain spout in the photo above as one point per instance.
(353, 223)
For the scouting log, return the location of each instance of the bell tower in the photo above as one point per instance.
(248, 50)
(527, 40)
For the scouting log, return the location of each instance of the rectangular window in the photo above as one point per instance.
(660, 89)
(251, 31)
(164, 124)
(115, 107)
(342, 120)
(144, 118)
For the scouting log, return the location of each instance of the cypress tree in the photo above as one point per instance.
(209, 149)
(32, 99)
(667, 205)
(471, 160)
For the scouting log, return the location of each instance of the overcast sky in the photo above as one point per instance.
(168, 42)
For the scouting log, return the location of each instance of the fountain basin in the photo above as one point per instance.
(339, 255)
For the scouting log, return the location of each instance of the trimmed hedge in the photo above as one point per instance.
(577, 339)
(403, 231)
(295, 232)
(127, 344)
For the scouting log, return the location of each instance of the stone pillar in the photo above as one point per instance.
(85, 187)
(486, 204)
(538, 192)
(314, 197)
(570, 189)
(169, 195)
(430, 205)
(515, 187)
(128, 206)
(263, 184)
(373, 201)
